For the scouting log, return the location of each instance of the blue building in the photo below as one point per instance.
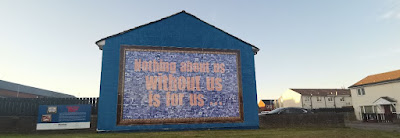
(177, 73)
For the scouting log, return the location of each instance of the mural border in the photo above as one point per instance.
(121, 121)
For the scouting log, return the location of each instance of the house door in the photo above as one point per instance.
(388, 113)
(387, 109)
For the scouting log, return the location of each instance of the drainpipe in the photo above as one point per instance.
(18, 91)
(363, 108)
(373, 109)
(301, 99)
(311, 101)
(334, 101)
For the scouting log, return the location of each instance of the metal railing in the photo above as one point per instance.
(379, 117)
(29, 106)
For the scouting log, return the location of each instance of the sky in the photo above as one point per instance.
(304, 44)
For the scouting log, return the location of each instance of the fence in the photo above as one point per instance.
(333, 110)
(376, 117)
(302, 120)
(29, 106)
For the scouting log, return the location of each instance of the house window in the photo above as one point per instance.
(368, 109)
(342, 99)
(306, 98)
(319, 99)
(393, 108)
(361, 91)
(330, 99)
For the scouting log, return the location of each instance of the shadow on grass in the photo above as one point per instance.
(271, 132)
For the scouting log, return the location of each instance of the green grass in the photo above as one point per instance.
(280, 132)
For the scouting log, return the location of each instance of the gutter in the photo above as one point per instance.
(100, 44)
(375, 83)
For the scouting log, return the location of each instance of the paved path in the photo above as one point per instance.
(374, 126)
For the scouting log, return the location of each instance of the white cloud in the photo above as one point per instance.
(388, 15)
(389, 10)
(393, 14)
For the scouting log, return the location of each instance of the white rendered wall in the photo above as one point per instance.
(372, 93)
(325, 103)
(291, 99)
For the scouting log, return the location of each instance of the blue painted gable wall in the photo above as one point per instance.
(181, 30)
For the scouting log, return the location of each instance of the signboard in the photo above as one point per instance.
(63, 117)
(165, 85)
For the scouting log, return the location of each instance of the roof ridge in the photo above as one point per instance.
(384, 72)
(23, 86)
(183, 11)
(223, 31)
(378, 78)
(322, 92)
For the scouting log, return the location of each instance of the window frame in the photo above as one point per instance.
(360, 91)
(319, 99)
(307, 99)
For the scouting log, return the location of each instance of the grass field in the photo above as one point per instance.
(281, 132)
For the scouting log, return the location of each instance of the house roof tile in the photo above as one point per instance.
(378, 78)
(322, 92)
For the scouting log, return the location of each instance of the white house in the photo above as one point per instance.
(377, 94)
(316, 98)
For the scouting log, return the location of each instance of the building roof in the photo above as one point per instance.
(31, 90)
(384, 101)
(265, 102)
(389, 99)
(269, 100)
(322, 92)
(255, 49)
(379, 78)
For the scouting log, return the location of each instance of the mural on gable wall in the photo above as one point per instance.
(161, 85)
